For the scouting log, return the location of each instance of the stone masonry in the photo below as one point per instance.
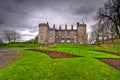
(49, 35)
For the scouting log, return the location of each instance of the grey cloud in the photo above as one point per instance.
(84, 10)
(1, 22)
(18, 14)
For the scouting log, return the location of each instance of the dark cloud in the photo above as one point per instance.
(25, 15)
(1, 22)
(84, 10)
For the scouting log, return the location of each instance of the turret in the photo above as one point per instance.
(82, 35)
(78, 24)
(43, 29)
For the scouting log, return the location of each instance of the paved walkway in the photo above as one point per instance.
(7, 57)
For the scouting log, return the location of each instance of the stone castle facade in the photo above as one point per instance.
(49, 35)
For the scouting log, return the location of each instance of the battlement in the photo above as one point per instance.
(44, 24)
(60, 27)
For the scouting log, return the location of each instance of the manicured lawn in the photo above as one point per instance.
(38, 66)
(84, 51)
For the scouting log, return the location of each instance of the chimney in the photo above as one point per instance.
(71, 27)
(47, 23)
(60, 27)
(66, 27)
(53, 26)
(78, 24)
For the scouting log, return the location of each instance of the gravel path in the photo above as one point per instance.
(7, 57)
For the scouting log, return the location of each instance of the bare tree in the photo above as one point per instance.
(111, 12)
(15, 36)
(11, 35)
(95, 35)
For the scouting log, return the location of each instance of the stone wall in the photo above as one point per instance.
(51, 36)
(65, 36)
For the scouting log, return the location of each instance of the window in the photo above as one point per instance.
(50, 38)
(68, 41)
(62, 41)
(62, 36)
(56, 36)
(75, 39)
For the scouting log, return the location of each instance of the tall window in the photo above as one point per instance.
(75, 39)
(62, 41)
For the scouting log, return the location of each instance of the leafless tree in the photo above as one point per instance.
(11, 35)
(95, 35)
(111, 12)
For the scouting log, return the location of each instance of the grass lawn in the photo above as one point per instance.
(84, 51)
(38, 66)
(20, 45)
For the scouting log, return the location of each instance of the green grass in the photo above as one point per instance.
(38, 66)
(84, 51)
(20, 45)
(112, 47)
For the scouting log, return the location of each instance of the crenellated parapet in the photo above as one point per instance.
(60, 27)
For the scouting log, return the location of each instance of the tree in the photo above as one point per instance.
(95, 35)
(11, 35)
(15, 36)
(111, 12)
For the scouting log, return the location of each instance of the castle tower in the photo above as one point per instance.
(43, 32)
(82, 35)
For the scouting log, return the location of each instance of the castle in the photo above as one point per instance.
(49, 35)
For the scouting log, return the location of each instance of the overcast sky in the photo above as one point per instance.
(25, 15)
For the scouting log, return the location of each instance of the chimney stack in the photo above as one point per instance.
(53, 26)
(71, 27)
(66, 27)
(78, 24)
(60, 27)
